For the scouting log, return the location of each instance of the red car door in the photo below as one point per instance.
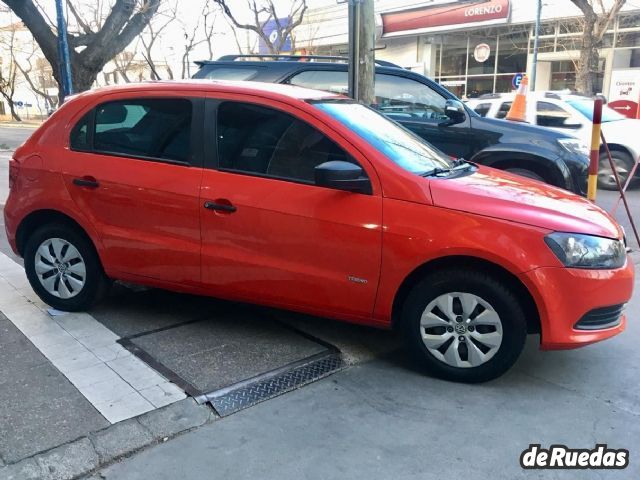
(269, 234)
(133, 170)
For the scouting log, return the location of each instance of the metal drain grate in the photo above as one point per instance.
(238, 397)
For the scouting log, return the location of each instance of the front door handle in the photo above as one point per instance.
(88, 182)
(220, 207)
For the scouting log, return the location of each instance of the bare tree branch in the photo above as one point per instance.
(109, 36)
(264, 12)
(595, 26)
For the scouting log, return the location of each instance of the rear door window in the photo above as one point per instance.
(482, 109)
(158, 128)
(551, 115)
(267, 142)
(504, 109)
(398, 97)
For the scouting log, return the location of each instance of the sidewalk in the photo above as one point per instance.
(72, 399)
(23, 124)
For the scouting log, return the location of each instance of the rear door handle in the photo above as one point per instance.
(86, 182)
(221, 207)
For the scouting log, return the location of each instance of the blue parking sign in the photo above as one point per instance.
(515, 81)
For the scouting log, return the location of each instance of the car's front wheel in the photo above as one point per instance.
(623, 164)
(63, 268)
(465, 326)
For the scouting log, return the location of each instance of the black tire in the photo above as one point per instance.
(492, 291)
(623, 162)
(523, 172)
(96, 283)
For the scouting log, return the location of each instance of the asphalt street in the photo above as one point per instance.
(12, 136)
(382, 418)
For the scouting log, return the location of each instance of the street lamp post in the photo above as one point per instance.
(63, 51)
(534, 67)
(354, 50)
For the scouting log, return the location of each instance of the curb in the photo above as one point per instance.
(32, 126)
(98, 449)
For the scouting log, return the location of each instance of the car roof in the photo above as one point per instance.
(270, 90)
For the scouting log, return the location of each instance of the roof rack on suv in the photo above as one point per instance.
(290, 58)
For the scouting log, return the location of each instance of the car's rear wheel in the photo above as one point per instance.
(464, 326)
(623, 164)
(63, 268)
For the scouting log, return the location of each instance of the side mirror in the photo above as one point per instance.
(342, 175)
(454, 110)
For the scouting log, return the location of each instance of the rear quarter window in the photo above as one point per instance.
(152, 128)
(504, 109)
(241, 73)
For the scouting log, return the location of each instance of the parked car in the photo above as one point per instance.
(306, 200)
(565, 112)
(431, 111)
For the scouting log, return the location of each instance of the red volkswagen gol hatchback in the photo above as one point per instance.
(308, 201)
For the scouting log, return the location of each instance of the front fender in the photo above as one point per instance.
(545, 162)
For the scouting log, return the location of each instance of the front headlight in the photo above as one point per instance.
(586, 251)
(574, 145)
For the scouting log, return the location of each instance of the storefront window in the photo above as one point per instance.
(628, 39)
(453, 55)
(629, 21)
(563, 75)
(455, 85)
(477, 86)
(547, 38)
(504, 83)
(512, 53)
(488, 65)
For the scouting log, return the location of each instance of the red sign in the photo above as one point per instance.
(452, 14)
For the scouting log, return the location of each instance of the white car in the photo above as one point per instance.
(573, 114)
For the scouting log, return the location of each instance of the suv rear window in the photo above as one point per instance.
(155, 128)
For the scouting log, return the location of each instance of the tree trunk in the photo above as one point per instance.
(587, 66)
(82, 78)
(121, 26)
(12, 108)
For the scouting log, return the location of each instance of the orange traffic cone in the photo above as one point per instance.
(518, 110)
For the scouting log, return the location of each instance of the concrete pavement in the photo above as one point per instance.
(12, 135)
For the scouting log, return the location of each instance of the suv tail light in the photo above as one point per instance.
(14, 167)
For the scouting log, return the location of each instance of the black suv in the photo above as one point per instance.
(429, 110)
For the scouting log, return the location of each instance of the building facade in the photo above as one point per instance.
(478, 46)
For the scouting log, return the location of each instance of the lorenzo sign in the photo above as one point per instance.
(438, 18)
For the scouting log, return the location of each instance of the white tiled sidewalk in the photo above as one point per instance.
(119, 385)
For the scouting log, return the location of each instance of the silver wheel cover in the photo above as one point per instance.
(461, 329)
(60, 268)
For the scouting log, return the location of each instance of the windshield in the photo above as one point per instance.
(585, 107)
(397, 143)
